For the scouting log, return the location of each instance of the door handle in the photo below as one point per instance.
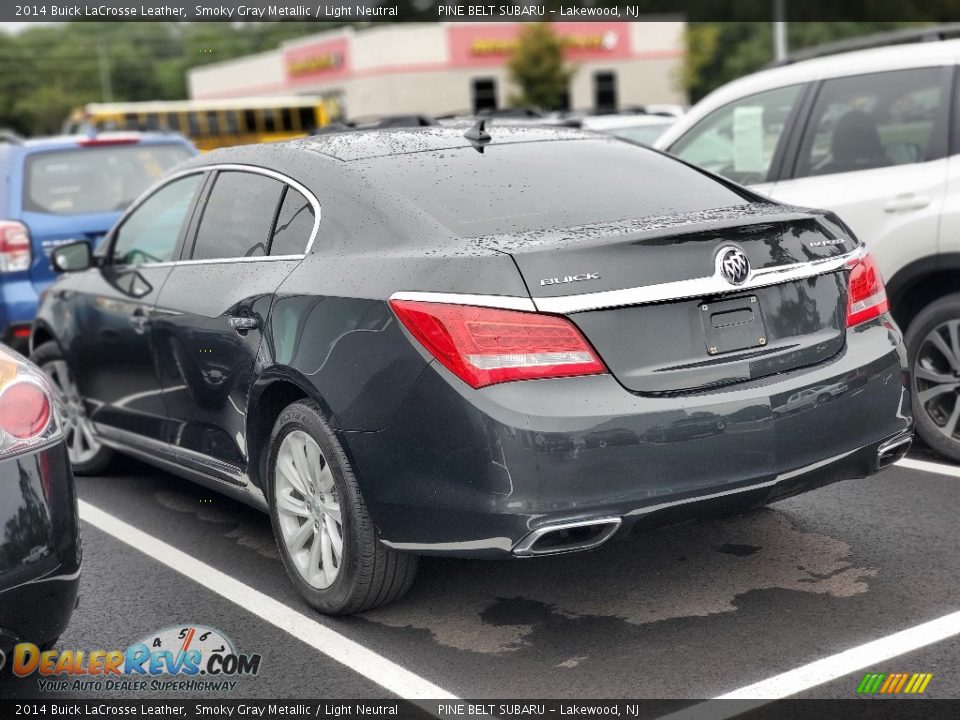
(910, 201)
(244, 324)
(140, 321)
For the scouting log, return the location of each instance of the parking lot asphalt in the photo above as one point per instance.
(692, 611)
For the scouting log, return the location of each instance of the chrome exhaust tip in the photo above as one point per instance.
(893, 450)
(567, 537)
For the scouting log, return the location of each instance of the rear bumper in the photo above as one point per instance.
(473, 473)
(40, 552)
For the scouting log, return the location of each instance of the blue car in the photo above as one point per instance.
(62, 189)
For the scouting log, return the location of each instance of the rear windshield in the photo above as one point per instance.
(94, 179)
(520, 187)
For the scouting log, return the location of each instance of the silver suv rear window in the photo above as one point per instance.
(90, 180)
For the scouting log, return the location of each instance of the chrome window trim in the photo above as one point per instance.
(697, 287)
(236, 167)
(504, 302)
(221, 261)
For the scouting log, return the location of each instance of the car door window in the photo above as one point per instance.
(150, 232)
(294, 226)
(875, 121)
(237, 216)
(738, 140)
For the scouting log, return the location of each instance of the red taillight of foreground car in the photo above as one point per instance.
(24, 410)
(483, 346)
(866, 296)
(14, 246)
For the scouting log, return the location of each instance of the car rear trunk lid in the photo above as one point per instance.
(652, 298)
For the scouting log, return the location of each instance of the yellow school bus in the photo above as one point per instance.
(213, 123)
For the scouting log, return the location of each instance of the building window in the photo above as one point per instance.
(605, 91)
(484, 94)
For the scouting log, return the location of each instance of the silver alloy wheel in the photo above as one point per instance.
(936, 377)
(78, 433)
(308, 509)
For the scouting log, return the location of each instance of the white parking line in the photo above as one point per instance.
(358, 658)
(824, 670)
(931, 467)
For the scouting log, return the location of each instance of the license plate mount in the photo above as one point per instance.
(731, 325)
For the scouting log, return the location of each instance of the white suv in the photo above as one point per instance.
(873, 135)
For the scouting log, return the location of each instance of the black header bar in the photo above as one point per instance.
(456, 10)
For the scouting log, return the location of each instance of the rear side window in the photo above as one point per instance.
(874, 121)
(738, 140)
(294, 225)
(94, 179)
(150, 232)
(517, 187)
(237, 216)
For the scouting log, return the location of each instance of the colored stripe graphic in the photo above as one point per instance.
(871, 683)
(894, 683)
(889, 684)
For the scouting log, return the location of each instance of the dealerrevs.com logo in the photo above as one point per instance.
(194, 657)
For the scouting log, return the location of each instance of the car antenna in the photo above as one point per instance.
(478, 135)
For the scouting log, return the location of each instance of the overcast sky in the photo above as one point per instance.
(14, 26)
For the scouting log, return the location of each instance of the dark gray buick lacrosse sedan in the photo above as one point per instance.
(505, 341)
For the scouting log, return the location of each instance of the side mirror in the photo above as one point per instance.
(72, 257)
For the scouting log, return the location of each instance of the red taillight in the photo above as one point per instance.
(866, 296)
(483, 346)
(24, 410)
(14, 246)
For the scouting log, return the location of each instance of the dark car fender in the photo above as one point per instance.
(52, 321)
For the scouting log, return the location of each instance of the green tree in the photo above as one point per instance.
(718, 52)
(538, 69)
(48, 70)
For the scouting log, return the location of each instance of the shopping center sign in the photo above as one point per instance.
(327, 59)
(491, 44)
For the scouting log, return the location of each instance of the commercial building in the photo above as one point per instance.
(441, 68)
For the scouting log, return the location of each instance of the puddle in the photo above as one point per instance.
(686, 571)
(246, 534)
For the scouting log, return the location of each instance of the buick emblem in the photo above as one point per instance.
(734, 266)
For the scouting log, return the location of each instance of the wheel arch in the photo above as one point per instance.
(41, 334)
(273, 391)
(920, 283)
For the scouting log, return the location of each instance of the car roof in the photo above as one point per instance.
(614, 122)
(365, 144)
(859, 62)
(70, 141)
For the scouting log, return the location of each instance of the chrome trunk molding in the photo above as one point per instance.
(646, 294)
(697, 287)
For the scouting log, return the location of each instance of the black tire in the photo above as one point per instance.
(50, 352)
(370, 574)
(934, 315)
